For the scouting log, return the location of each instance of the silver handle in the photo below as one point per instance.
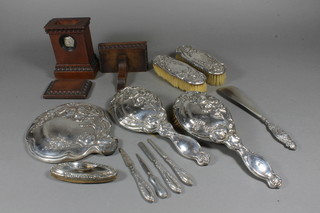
(185, 145)
(237, 97)
(184, 176)
(280, 134)
(171, 182)
(144, 188)
(256, 164)
(158, 187)
(260, 168)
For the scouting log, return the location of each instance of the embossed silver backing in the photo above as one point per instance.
(83, 172)
(205, 117)
(70, 132)
(138, 109)
(180, 70)
(200, 60)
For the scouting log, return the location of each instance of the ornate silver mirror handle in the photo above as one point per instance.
(256, 164)
(187, 146)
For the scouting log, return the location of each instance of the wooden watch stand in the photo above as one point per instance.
(75, 58)
(72, 46)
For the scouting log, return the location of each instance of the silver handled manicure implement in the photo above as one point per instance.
(171, 182)
(160, 190)
(144, 188)
(184, 176)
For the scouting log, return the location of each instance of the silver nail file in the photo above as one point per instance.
(160, 190)
(144, 188)
(171, 182)
(184, 176)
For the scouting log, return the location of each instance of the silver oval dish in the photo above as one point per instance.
(70, 132)
(138, 109)
(83, 172)
(206, 118)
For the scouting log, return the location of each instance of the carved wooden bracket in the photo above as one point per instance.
(123, 57)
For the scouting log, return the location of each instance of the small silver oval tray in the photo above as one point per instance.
(83, 172)
(70, 132)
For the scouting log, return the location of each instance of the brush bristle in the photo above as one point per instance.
(178, 83)
(176, 122)
(216, 80)
(212, 79)
(178, 57)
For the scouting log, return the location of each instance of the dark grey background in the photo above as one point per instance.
(271, 50)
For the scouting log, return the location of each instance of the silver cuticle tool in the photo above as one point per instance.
(144, 188)
(160, 190)
(184, 176)
(171, 182)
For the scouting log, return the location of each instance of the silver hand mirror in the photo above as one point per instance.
(207, 119)
(140, 110)
(70, 132)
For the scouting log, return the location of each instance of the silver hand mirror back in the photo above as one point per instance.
(70, 132)
(206, 118)
(140, 110)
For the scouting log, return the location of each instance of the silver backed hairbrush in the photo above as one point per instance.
(206, 118)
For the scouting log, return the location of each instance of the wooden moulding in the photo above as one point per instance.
(123, 57)
(68, 89)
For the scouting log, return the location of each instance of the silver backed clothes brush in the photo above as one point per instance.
(234, 95)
